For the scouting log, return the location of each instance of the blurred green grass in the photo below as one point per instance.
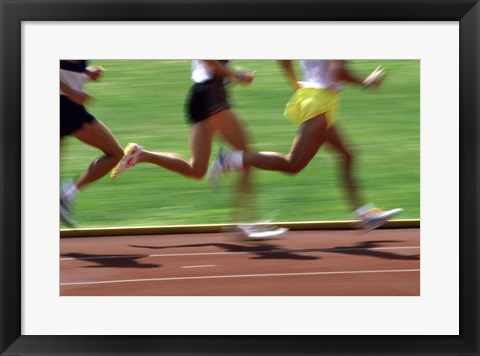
(143, 101)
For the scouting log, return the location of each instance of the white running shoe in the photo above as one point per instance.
(218, 167)
(130, 156)
(372, 218)
(260, 231)
(66, 204)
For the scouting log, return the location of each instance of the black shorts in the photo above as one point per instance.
(206, 99)
(72, 116)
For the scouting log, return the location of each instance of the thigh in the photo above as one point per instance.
(231, 129)
(310, 137)
(336, 140)
(201, 137)
(96, 134)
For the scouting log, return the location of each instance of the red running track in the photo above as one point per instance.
(302, 263)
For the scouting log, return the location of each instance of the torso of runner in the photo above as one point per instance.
(202, 73)
(318, 74)
(72, 73)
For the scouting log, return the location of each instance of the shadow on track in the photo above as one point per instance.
(117, 261)
(366, 248)
(262, 250)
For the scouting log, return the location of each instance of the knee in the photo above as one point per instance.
(199, 173)
(295, 169)
(348, 158)
(294, 166)
(116, 153)
(197, 176)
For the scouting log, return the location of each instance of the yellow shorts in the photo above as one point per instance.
(308, 103)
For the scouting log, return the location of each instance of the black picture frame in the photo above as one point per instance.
(13, 12)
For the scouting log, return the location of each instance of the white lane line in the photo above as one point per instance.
(237, 253)
(199, 266)
(239, 276)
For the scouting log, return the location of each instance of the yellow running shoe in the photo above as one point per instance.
(129, 159)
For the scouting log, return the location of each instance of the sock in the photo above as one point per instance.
(235, 160)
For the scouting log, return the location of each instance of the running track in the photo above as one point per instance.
(315, 263)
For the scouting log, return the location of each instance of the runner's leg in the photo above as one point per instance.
(96, 134)
(201, 136)
(336, 141)
(307, 142)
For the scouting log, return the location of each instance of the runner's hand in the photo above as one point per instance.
(375, 78)
(79, 97)
(245, 78)
(94, 73)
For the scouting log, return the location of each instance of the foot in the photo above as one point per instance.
(260, 231)
(130, 156)
(66, 204)
(372, 218)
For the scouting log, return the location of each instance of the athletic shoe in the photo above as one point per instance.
(260, 231)
(218, 167)
(372, 218)
(65, 214)
(66, 208)
(130, 156)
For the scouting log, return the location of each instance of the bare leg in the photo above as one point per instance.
(201, 137)
(96, 134)
(310, 137)
(335, 140)
(233, 132)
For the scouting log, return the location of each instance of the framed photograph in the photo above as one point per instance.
(432, 46)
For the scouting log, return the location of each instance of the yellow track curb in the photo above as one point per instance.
(198, 229)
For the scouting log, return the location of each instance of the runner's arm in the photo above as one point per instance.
(76, 96)
(343, 74)
(223, 72)
(287, 67)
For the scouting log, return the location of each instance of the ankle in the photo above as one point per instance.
(235, 160)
